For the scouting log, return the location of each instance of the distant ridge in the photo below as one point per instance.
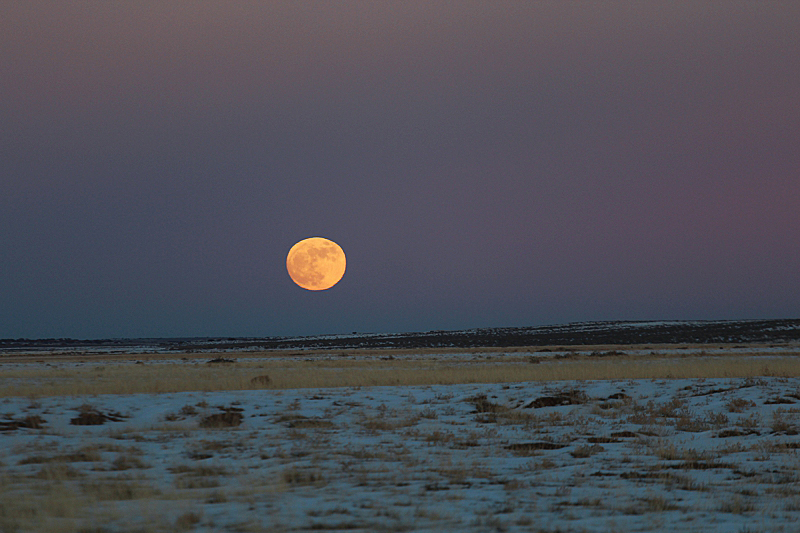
(574, 334)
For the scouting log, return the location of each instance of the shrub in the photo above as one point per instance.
(582, 452)
(738, 405)
(222, 420)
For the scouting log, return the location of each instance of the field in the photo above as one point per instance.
(601, 438)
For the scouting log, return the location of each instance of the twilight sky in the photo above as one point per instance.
(480, 163)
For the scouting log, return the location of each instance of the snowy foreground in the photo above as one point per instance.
(645, 455)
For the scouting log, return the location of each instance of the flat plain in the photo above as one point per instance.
(596, 438)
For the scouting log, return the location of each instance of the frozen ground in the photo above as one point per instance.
(636, 455)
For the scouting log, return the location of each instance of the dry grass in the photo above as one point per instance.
(299, 476)
(63, 501)
(383, 423)
(582, 452)
(86, 455)
(737, 505)
(117, 490)
(180, 376)
(127, 462)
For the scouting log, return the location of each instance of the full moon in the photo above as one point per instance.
(316, 263)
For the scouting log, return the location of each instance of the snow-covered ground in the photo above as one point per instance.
(637, 455)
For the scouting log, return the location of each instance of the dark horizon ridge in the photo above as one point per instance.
(571, 334)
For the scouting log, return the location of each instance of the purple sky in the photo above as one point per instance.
(480, 163)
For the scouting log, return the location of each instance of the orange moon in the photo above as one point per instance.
(316, 263)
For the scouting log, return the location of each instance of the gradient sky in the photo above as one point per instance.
(481, 163)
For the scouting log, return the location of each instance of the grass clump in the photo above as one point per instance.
(582, 452)
(299, 476)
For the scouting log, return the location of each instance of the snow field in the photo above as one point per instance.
(618, 455)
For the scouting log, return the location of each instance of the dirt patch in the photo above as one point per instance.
(219, 360)
(261, 380)
(699, 465)
(715, 391)
(199, 456)
(483, 405)
(232, 417)
(583, 452)
(775, 401)
(95, 418)
(76, 457)
(609, 353)
(602, 440)
(303, 422)
(533, 446)
(30, 422)
(624, 434)
(725, 433)
(646, 475)
(311, 423)
(728, 389)
(788, 445)
(619, 396)
(570, 398)
(288, 418)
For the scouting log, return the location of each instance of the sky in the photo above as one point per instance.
(482, 164)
